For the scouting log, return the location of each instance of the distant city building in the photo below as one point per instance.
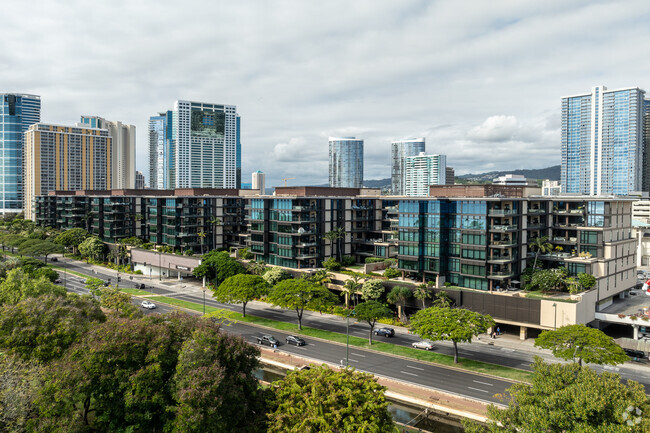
(65, 158)
(421, 171)
(196, 145)
(17, 112)
(450, 176)
(513, 180)
(346, 162)
(551, 187)
(646, 145)
(399, 151)
(602, 142)
(122, 151)
(259, 182)
(139, 180)
(246, 185)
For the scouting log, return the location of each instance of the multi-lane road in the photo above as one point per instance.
(445, 379)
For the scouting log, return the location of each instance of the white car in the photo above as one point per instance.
(148, 305)
(423, 344)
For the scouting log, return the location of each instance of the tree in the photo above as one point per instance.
(351, 287)
(568, 398)
(541, 245)
(372, 290)
(332, 265)
(335, 235)
(256, 267)
(214, 222)
(371, 311)
(43, 328)
(94, 285)
(455, 325)
(298, 294)
(215, 386)
(37, 247)
(328, 401)
(20, 383)
(398, 296)
(201, 234)
(218, 265)
(547, 280)
(442, 299)
(274, 275)
(17, 286)
(113, 299)
(422, 293)
(92, 247)
(48, 273)
(586, 281)
(72, 238)
(320, 277)
(241, 289)
(579, 342)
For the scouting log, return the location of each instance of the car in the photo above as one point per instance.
(294, 339)
(423, 344)
(140, 286)
(148, 305)
(385, 332)
(54, 259)
(107, 283)
(268, 340)
(57, 281)
(635, 355)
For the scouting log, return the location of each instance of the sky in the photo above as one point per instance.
(480, 80)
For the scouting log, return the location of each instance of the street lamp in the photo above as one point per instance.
(204, 300)
(555, 320)
(347, 337)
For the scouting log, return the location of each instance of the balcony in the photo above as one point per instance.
(503, 228)
(536, 211)
(566, 241)
(307, 244)
(501, 212)
(501, 259)
(501, 275)
(307, 256)
(536, 226)
(503, 244)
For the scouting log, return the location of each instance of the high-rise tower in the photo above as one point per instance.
(17, 113)
(346, 162)
(423, 170)
(400, 150)
(602, 142)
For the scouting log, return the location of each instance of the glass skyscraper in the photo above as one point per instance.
(602, 142)
(399, 151)
(197, 145)
(346, 162)
(17, 113)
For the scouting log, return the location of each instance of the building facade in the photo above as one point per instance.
(17, 113)
(122, 149)
(399, 151)
(421, 171)
(139, 180)
(65, 158)
(450, 176)
(602, 142)
(551, 187)
(196, 145)
(259, 182)
(345, 162)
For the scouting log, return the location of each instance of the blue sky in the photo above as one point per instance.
(482, 81)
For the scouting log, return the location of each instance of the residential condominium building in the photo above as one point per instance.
(258, 182)
(421, 171)
(602, 142)
(65, 158)
(346, 162)
(139, 180)
(122, 149)
(17, 112)
(195, 145)
(399, 151)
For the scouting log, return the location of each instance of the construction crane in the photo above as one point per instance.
(285, 179)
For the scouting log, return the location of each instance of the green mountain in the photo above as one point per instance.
(551, 173)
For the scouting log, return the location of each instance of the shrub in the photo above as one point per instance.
(390, 262)
(374, 259)
(138, 272)
(347, 261)
(331, 264)
(188, 252)
(392, 273)
(245, 254)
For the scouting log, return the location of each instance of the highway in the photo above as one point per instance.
(424, 374)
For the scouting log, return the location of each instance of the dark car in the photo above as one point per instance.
(635, 355)
(295, 340)
(385, 332)
(54, 259)
(107, 283)
(140, 286)
(268, 340)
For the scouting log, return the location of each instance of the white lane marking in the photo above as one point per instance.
(483, 383)
(410, 374)
(503, 349)
(353, 360)
(476, 389)
(415, 368)
(358, 354)
(359, 332)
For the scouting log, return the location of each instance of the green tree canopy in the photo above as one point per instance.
(579, 342)
(422, 292)
(274, 275)
(586, 281)
(548, 280)
(372, 290)
(43, 328)
(370, 312)
(48, 273)
(298, 294)
(241, 289)
(92, 247)
(218, 265)
(17, 286)
(20, 383)
(564, 398)
(37, 247)
(72, 238)
(540, 244)
(398, 296)
(328, 401)
(455, 325)
(119, 302)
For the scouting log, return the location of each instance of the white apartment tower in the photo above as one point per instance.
(259, 180)
(399, 151)
(421, 171)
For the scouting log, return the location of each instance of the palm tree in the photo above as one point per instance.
(201, 235)
(422, 293)
(541, 245)
(335, 235)
(215, 222)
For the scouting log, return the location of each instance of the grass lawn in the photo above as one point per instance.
(137, 292)
(407, 352)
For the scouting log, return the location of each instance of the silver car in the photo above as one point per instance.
(148, 305)
(423, 344)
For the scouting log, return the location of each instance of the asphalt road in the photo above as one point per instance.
(389, 366)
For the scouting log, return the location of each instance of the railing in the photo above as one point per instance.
(536, 211)
(501, 212)
(503, 227)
